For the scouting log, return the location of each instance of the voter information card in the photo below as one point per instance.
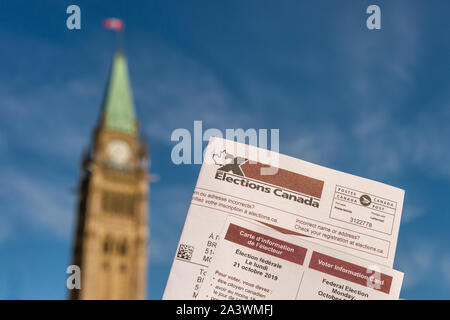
(254, 262)
(341, 211)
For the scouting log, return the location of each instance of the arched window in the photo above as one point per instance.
(105, 200)
(107, 244)
(122, 248)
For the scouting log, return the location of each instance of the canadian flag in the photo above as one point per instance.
(113, 24)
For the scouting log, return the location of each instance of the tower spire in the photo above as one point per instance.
(118, 112)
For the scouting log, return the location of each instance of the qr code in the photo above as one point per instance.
(185, 252)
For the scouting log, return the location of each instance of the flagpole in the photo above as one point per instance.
(119, 41)
(118, 26)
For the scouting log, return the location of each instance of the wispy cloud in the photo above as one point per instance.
(5, 228)
(425, 264)
(412, 212)
(172, 90)
(417, 263)
(166, 221)
(42, 205)
(445, 268)
(317, 144)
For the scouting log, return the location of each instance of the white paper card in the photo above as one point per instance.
(341, 211)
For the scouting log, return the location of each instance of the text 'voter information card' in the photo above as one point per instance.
(255, 262)
(338, 210)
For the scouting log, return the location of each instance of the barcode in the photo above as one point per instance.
(185, 252)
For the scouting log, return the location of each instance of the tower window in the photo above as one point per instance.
(107, 245)
(122, 248)
(119, 203)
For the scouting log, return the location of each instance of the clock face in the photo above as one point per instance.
(118, 152)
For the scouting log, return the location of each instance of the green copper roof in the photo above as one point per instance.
(118, 108)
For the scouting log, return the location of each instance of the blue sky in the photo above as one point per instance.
(371, 103)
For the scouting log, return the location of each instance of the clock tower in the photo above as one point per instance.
(112, 232)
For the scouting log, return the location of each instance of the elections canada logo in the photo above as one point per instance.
(365, 200)
(228, 162)
(285, 184)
